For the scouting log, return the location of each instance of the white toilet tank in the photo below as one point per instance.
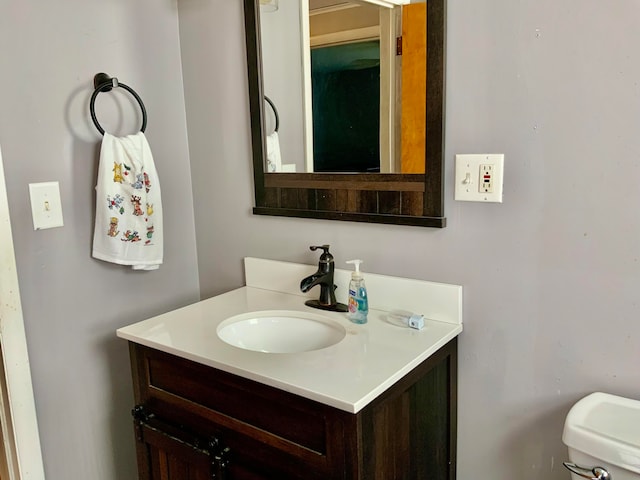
(603, 431)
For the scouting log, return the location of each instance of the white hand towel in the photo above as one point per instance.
(274, 161)
(128, 228)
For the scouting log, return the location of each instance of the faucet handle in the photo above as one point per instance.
(326, 257)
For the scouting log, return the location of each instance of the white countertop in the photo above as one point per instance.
(347, 375)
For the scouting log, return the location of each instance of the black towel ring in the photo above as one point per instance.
(104, 83)
(275, 112)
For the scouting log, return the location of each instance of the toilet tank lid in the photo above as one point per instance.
(607, 427)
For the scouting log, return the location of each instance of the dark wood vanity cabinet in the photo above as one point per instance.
(194, 422)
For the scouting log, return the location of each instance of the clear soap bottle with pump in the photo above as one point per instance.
(358, 302)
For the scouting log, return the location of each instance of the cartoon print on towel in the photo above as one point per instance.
(130, 236)
(113, 227)
(149, 235)
(147, 182)
(139, 183)
(150, 228)
(117, 173)
(137, 211)
(115, 203)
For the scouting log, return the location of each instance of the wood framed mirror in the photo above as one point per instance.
(389, 198)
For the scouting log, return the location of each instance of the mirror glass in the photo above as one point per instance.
(345, 86)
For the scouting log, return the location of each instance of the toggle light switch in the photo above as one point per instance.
(46, 207)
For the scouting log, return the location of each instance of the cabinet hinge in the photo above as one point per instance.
(399, 45)
(219, 455)
(140, 416)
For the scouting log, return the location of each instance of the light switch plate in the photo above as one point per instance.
(479, 177)
(46, 207)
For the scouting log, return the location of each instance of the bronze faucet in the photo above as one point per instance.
(324, 278)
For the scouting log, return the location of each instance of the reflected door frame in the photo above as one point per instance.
(389, 87)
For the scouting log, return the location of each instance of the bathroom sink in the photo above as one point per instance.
(277, 331)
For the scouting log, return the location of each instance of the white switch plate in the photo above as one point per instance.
(479, 177)
(46, 206)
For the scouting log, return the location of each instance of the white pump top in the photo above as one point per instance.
(356, 273)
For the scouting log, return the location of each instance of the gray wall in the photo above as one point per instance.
(550, 277)
(72, 303)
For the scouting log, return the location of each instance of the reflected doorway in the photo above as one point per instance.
(346, 107)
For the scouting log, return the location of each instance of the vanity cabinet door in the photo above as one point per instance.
(168, 452)
(269, 433)
(164, 456)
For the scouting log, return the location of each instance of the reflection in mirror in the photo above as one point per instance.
(348, 80)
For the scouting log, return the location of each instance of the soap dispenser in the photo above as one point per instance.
(358, 302)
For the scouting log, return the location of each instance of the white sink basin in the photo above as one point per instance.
(276, 331)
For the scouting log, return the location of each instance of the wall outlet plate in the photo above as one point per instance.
(479, 177)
